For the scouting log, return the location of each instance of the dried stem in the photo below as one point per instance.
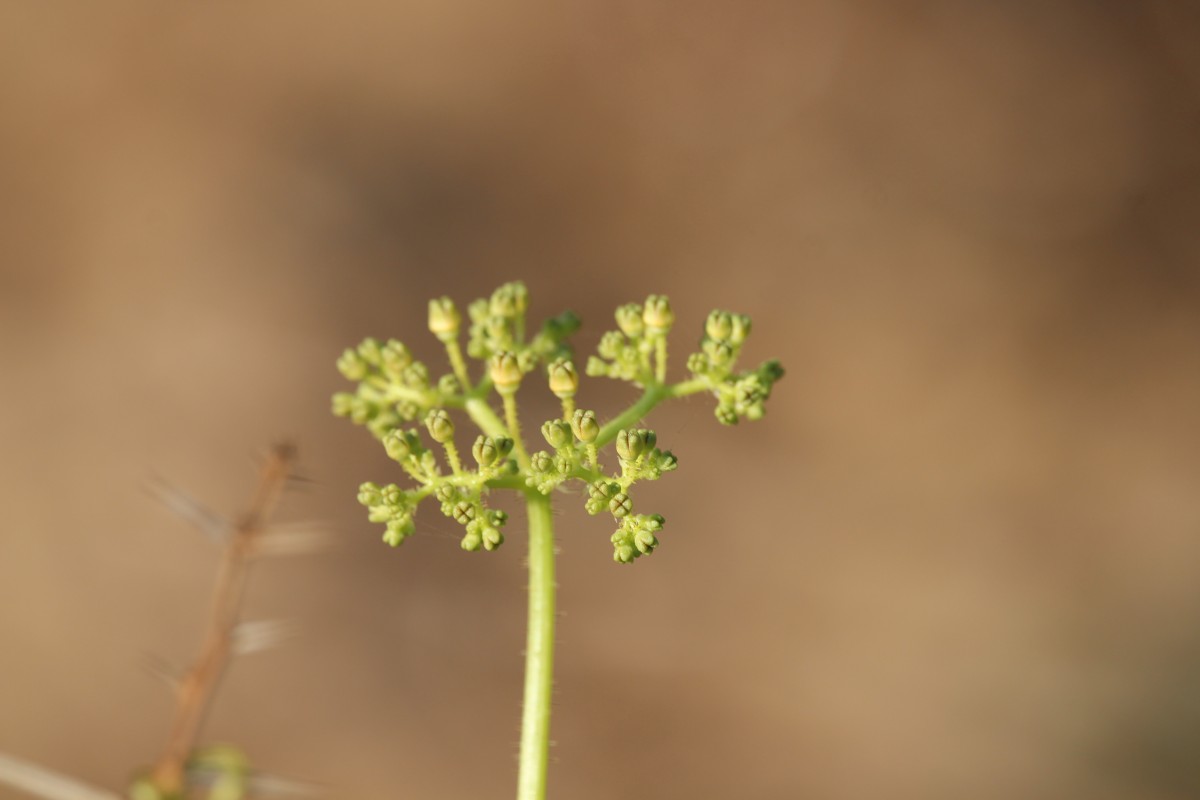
(196, 689)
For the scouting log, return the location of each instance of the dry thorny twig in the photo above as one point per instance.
(243, 540)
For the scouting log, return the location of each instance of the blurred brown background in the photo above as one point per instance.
(960, 558)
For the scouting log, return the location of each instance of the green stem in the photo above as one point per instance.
(539, 652)
(483, 416)
(454, 353)
(514, 429)
(654, 395)
(660, 359)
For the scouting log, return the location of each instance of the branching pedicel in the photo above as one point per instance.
(395, 391)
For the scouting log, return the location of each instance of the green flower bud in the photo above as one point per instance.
(485, 451)
(631, 444)
(610, 346)
(741, 329)
(415, 375)
(720, 354)
(603, 490)
(444, 319)
(657, 314)
(392, 495)
(506, 373)
(624, 554)
(558, 328)
(557, 433)
(441, 427)
(726, 415)
(542, 461)
(370, 351)
(629, 320)
(343, 404)
(719, 325)
(596, 367)
(697, 364)
(509, 300)
(369, 494)
(492, 538)
(645, 541)
(464, 512)
(770, 371)
(472, 541)
(497, 517)
(564, 380)
(667, 462)
(620, 505)
(398, 530)
(351, 365)
(584, 426)
(448, 385)
(398, 445)
(395, 357)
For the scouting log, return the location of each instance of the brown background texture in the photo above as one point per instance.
(959, 558)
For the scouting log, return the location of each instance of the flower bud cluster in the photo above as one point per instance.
(635, 537)
(392, 506)
(739, 395)
(392, 386)
(639, 459)
(626, 353)
(397, 401)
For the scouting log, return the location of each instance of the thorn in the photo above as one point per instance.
(183, 505)
(296, 477)
(251, 637)
(297, 538)
(158, 667)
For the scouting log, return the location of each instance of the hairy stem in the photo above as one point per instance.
(482, 414)
(514, 429)
(539, 652)
(653, 396)
(660, 359)
(454, 353)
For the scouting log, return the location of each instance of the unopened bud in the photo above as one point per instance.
(564, 380)
(441, 427)
(485, 451)
(584, 426)
(741, 329)
(719, 325)
(505, 371)
(398, 445)
(352, 366)
(620, 505)
(444, 319)
(657, 314)
(629, 320)
(557, 433)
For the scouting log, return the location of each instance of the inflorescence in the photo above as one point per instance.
(397, 398)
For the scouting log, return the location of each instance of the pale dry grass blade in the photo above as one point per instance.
(41, 782)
